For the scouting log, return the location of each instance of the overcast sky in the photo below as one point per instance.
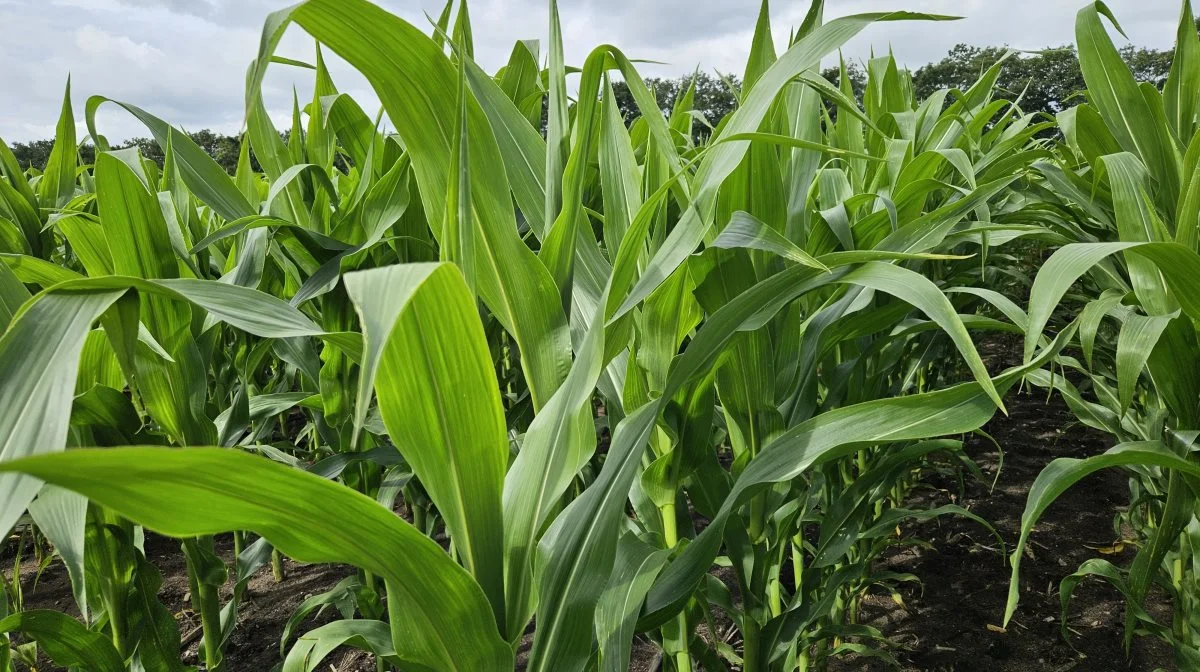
(185, 60)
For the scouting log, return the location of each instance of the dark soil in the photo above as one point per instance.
(954, 623)
(265, 608)
(949, 623)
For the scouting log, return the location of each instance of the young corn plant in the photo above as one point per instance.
(1126, 186)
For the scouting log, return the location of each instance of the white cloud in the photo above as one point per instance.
(97, 43)
(185, 60)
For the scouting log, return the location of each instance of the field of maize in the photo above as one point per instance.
(560, 390)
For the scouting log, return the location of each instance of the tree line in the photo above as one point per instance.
(223, 148)
(1046, 81)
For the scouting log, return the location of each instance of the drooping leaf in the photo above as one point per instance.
(441, 619)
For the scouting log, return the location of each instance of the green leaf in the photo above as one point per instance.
(420, 97)
(1181, 92)
(137, 239)
(247, 309)
(762, 49)
(1105, 570)
(558, 125)
(828, 436)
(37, 377)
(620, 178)
(202, 175)
(458, 229)
(57, 185)
(1091, 316)
(66, 641)
(1179, 265)
(426, 355)
(440, 617)
(559, 248)
(746, 231)
(314, 172)
(1187, 218)
(559, 441)
(88, 241)
(636, 566)
(1065, 472)
(1139, 335)
(576, 555)
(62, 516)
(263, 406)
(1055, 277)
(342, 596)
(1137, 221)
(1119, 100)
(919, 291)
(720, 161)
(796, 143)
(12, 295)
(314, 646)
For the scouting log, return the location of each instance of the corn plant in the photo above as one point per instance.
(776, 323)
(1126, 181)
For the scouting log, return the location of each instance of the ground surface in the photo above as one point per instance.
(950, 626)
(266, 607)
(953, 624)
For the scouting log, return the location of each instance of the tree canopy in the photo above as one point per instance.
(1046, 81)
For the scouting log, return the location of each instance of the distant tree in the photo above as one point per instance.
(858, 78)
(32, 154)
(147, 147)
(714, 97)
(1048, 79)
(1148, 65)
(223, 148)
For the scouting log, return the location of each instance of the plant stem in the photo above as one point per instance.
(750, 644)
(757, 517)
(774, 585)
(112, 586)
(798, 562)
(114, 605)
(210, 622)
(418, 514)
(1180, 590)
(206, 599)
(675, 638)
(277, 565)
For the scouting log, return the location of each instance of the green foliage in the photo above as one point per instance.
(713, 97)
(555, 331)
(1047, 81)
(1136, 265)
(223, 149)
